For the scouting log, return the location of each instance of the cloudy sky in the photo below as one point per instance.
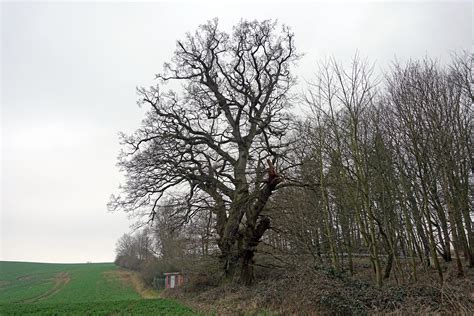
(68, 78)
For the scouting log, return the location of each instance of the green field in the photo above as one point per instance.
(75, 289)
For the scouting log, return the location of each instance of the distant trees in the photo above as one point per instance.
(134, 250)
(167, 245)
(214, 138)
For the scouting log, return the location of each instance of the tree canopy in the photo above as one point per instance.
(211, 140)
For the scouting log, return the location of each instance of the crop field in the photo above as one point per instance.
(77, 289)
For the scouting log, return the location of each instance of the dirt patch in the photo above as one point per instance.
(132, 278)
(4, 283)
(60, 280)
(25, 277)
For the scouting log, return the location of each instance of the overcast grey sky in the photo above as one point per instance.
(68, 78)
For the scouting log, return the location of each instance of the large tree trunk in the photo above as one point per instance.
(251, 240)
(241, 238)
(238, 259)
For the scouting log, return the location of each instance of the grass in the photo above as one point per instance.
(74, 289)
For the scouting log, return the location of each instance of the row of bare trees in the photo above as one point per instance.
(133, 251)
(387, 168)
(379, 167)
(166, 246)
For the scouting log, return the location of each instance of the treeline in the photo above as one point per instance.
(380, 167)
(384, 171)
(164, 247)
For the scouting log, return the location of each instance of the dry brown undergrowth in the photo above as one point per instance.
(310, 292)
(133, 278)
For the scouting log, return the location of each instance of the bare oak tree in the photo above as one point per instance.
(210, 140)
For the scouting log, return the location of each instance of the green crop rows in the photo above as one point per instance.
(74, 289)
(127, 307)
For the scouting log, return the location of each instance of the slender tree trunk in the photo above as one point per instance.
(454, 226)
(388, 266)
(434, 255)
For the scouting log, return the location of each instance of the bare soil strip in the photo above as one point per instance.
(25, 277)
(132, 278)
(60, 280)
